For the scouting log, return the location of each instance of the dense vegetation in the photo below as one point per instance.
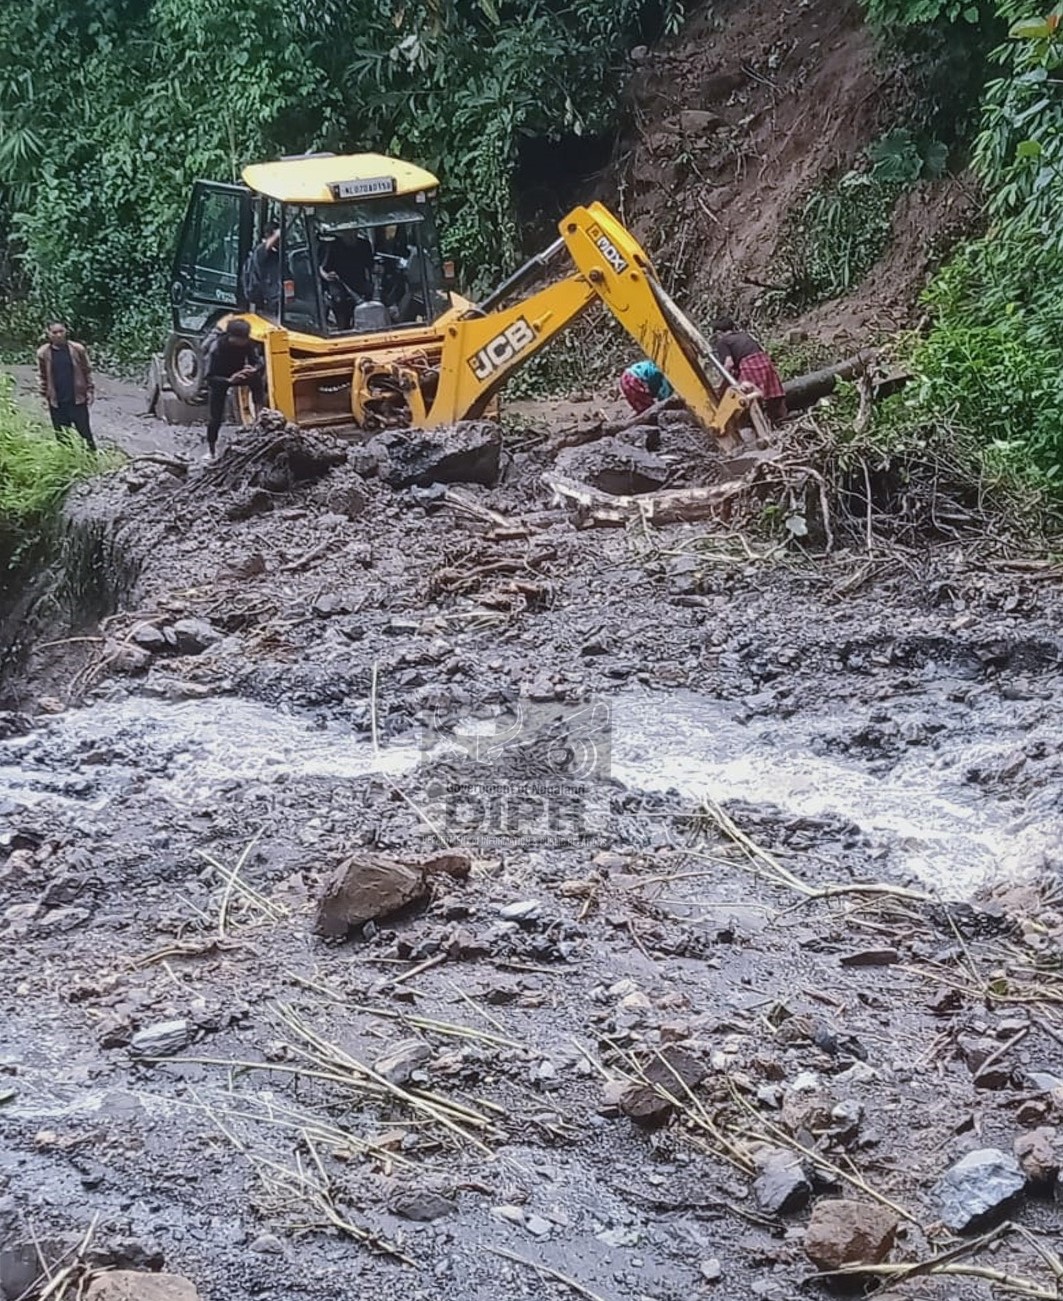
(109, 109)
(992, 362)
(36, 469)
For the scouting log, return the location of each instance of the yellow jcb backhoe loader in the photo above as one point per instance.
(334, 262)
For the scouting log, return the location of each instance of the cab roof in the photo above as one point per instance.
(331, 178)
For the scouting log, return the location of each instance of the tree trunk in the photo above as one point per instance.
(803, 390)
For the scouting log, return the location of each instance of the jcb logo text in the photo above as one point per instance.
(502, 349)
(610, 252)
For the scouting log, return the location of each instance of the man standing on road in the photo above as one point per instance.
(66, 384)
(234, 359)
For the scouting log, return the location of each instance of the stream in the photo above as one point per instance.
(920, 805)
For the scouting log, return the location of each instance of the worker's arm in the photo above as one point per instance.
(42, 373)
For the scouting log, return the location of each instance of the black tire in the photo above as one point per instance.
(185, 368)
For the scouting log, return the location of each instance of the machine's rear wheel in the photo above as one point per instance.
(186, 367)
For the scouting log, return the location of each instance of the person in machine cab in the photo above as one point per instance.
(262, 277)
(233, 359)
(747, 361)
(347, 270)
(643, 384)
(66, 385)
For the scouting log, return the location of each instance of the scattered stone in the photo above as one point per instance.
(511, 1214)
(842, 1232)
(124, 657)
(527, 910)
(349, 501)
(113, 1031)
(469, 452)
(1045, 1081)
(246, 505)
(193, 636)
(126, 1285)
(1038, 1157)
(422, 1205)
(267, 1244)
(537, 1226)
(451, 862)
(781, 1186)
(150, 637)
(883, 957)
(329, 604)
(161, 1040)
(710, 1270)
(645, 1106)
(978, 1188)
(364, 887)
(398, 1066)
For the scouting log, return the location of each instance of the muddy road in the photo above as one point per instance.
(750, 904)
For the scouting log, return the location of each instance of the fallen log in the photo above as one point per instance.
(597, 509)
(803, 390)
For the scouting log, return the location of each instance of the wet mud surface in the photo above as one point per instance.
(673, 765)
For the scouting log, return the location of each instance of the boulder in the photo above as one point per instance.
(842, 1232)
(978, 1188)
(150, 637)
(365, 887)
(124, 657)
(469, 452)
(193, 636)
(614, 466)
(127, 1285)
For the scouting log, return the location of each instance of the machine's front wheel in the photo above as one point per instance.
(186, 367)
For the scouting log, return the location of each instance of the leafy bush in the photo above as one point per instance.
(993, 360)
(836, 238)
(36, 468)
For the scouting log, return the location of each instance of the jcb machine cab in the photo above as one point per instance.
(335, 264)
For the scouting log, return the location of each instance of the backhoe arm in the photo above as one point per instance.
(482, 350)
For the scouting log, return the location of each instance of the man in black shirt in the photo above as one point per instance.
(262, 275)
(347, 270)
(233, 359)
(66, 385)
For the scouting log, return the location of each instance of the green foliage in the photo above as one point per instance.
(899, 158)
(836, 238)
(109, 110)
(36, 468)
(993, 361)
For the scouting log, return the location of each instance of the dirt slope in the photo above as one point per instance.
(735, 122)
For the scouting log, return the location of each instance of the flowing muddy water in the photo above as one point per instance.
(918, 806)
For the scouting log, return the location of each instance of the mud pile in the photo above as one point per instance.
(755, 923)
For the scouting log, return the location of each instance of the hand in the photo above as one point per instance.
(330, 275)
(90, 398)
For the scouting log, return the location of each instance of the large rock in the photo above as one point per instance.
(469, 452)
(614, 466)
(978, 1188)
(842, 1232)
(782, 1186)
(193, 636)
(126, 1285)
(365, 887)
